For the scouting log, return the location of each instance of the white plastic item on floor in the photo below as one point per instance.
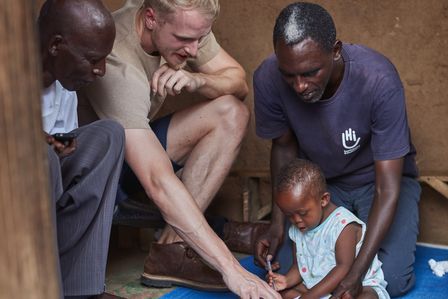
(438, 268)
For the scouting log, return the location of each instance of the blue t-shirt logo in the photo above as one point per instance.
(350, 141)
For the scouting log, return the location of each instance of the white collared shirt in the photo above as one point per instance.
(59, 114)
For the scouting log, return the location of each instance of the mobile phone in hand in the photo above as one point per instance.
(64, 137)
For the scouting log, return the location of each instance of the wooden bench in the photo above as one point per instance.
(253, 210)
(252, 207)
(438, 183)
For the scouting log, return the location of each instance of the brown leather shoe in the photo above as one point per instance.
(106, 296)
(178, 264)
(241, 236)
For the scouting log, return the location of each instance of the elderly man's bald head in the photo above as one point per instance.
(75, 36)
(68, 17)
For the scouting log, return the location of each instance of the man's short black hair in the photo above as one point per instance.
(301, 20)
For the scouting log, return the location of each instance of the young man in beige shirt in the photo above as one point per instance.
(203, 139)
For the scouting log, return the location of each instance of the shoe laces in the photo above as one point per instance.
(190, 253)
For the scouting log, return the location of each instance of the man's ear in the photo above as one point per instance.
(54, 44)
(325, 199)
(337, 50)
(150, 18)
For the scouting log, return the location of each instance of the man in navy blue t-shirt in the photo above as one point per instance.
(342, 106)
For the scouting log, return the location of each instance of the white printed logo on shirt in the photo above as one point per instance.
(350, 141)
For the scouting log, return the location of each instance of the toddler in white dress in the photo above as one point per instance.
(326, 238)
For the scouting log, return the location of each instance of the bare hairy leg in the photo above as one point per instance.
(206, 139)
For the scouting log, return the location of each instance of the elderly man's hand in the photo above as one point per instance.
(61, 148)
(167, 80)
(246, 285)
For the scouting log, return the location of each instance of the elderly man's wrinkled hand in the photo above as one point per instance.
(63, 149)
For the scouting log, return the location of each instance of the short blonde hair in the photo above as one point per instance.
(207, 7)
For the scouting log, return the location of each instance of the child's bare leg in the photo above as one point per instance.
(290, 293)
(368, 293)
(294, 292)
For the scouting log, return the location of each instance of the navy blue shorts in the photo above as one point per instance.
(160, 128)
(129, 183)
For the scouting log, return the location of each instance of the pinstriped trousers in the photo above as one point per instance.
(84, 186)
